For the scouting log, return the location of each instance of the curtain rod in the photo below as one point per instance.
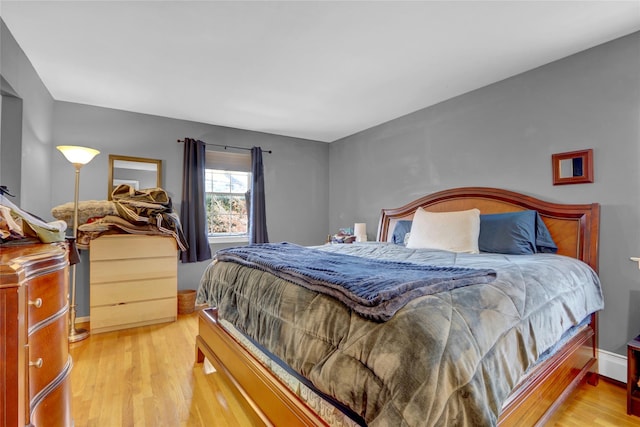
(230, 146)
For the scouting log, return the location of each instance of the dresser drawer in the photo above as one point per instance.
(49, 352)
(132, 291)
(124, 246)
(132, 269)
(112, 317)
(46, 295)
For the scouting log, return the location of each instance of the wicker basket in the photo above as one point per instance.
(186, 301)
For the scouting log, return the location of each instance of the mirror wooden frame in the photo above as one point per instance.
(113, 158)
(587, 167)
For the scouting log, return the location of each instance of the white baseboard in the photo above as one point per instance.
(83, 319)
(612, 365)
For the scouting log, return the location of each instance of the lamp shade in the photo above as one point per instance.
(78, 155)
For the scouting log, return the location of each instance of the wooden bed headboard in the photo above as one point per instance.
(574, 227)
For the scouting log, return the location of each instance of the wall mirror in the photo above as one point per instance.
(138, 172)
(574, 167)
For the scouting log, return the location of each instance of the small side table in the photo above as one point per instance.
(633, 376)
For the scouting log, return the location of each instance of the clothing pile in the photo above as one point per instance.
(19, 225)
(146, 211)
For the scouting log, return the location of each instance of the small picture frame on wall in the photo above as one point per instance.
(573, 167)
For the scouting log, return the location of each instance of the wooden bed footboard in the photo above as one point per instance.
(272, 401)
(532, 403)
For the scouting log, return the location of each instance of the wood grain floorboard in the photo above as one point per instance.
(146, 376)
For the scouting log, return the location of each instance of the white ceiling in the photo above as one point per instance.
(318, 70)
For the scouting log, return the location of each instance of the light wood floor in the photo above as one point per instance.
(146, 377)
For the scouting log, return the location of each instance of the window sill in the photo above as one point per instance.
(228, 239)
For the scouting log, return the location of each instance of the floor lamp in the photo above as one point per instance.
(78, 156)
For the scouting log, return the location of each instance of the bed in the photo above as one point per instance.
(240, 338)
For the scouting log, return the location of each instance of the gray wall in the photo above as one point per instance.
(11, 145)
(20, 79)
(296, 173)
(503, 135)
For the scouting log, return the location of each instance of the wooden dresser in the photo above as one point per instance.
(134, 281)
(35, 387)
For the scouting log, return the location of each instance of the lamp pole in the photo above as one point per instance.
(75, 334)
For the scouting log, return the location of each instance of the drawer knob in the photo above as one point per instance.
(37, 303)
(37, 363)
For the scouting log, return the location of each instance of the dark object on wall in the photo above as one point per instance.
(573, 167)
(5, 190)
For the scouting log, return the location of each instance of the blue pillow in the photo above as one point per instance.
(516, 233)
(402, 227)
(544, 241)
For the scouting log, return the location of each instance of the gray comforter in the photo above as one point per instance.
(443, 360)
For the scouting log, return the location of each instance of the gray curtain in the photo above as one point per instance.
(192, 209)
(257, 211)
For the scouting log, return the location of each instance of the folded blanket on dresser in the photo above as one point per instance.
(375, 289)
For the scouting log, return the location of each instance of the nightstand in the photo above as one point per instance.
(633, 376)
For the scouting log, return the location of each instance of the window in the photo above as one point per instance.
(226, 202)
(227, 182)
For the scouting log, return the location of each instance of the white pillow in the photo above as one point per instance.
(449, 231)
